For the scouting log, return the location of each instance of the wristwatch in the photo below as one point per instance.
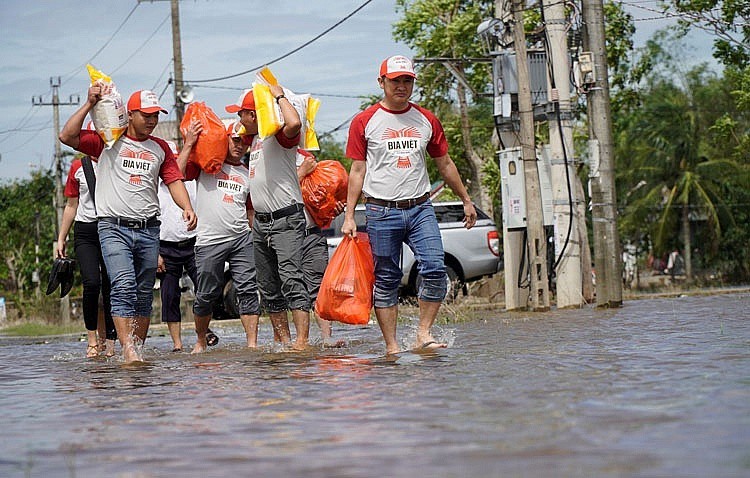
(279, 97)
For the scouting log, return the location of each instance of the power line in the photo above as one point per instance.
(142, 45)
(326, 95)
(211, 80)
(70, 75)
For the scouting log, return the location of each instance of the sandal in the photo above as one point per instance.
(211, 338)
(92, 351)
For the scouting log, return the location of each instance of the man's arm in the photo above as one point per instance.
(71, 131)
(449, 172)
(181, 198)
(191, 137)
(69, 215)
(307, 166)
(356, 180)
(292, 122)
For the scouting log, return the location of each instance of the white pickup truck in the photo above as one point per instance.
(469, 254)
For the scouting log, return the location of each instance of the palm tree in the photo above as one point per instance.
(665, 148)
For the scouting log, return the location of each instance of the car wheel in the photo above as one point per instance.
(231, 304)
(455, 284)
(227, 307)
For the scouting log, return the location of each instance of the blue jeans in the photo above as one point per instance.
(417, 227)
(130, 256)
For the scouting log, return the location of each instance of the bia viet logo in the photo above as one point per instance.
(136, 162)
(229, 184)
(402, 143)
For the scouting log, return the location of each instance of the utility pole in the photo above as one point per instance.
(516, 297)
(179, 106)
(179, 85)
(59, 204)
(563, 174)
(537, 243)
(607, 255)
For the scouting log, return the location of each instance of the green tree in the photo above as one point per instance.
(670, 177)
(447, 29)
(25, 208)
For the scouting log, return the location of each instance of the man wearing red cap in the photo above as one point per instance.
(279, 224)
(389, 143)
(128, 208)
(224, 235)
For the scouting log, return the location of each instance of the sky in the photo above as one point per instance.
(132, 42)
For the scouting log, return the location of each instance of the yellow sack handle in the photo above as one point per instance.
(97, 75)
(266, 75)
(311, 139)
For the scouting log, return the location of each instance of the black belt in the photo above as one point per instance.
(402, 204)
(312, 230)
(132, 223)
(279, 213)
(179, 244)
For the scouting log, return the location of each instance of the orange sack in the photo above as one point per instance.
(210, 150)
(322, 188)
(346, 291)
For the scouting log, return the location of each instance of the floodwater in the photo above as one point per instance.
(660, 387)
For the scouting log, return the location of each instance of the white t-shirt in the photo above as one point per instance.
(128, 174)
(395, 145)
(221, 203)
(173, 227)
(76, 186)
(272, 173)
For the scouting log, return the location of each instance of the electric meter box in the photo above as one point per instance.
(513, 189)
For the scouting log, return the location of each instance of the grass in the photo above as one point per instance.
(36, 329)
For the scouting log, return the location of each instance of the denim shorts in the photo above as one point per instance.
(130, 256)
(417, 227)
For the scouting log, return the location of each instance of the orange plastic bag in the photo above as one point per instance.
(346, 291)
(322, 188)
(210, 150)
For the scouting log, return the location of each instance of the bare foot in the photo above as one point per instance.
(299, 347)
(130, 355)
(330, 343)
(430, 345)
(109, 348)
(198, 348)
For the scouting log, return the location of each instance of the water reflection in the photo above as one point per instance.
(658, 388)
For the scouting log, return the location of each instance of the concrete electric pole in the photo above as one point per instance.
(179, 85)
(59, 201)
(607, 254)
(537, 243)
(563, 172)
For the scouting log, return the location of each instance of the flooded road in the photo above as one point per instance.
(658, 388)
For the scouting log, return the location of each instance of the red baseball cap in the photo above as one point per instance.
(246, 101)
(232, 130)
(395, 66)
(145, 101)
